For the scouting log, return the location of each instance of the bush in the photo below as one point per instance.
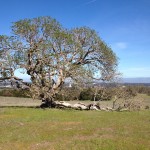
(104, 94)
(131, 92)
(147, 107)
(67, 94)
(86, 94)
(142, 89)
(14, 93)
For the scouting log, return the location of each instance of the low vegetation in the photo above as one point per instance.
(123, 97)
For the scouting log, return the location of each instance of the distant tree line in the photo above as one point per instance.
(89, 93)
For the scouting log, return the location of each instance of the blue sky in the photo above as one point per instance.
(123, 24)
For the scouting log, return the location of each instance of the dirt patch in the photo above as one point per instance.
(4, 116)
(107, 136)
(42, 145)
(107, 129)
(85, 137)
(70, 123)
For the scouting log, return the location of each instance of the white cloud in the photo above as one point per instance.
(21, 73)
(121, 45)
(89, 2)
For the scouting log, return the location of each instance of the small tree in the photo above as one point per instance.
(123, 97)
(50, 53)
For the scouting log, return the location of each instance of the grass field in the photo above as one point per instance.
(51, 129)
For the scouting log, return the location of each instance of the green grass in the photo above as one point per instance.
(51, 129)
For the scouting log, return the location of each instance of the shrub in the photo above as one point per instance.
(104, 94)
(68, 94)
(14, 93)
(130, 91)
(147, 107)
(86, 94)
(100, 94)
(142, 89)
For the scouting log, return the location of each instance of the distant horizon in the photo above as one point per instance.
(136, 80)
(125, 80)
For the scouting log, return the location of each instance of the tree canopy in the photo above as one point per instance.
(51, 53)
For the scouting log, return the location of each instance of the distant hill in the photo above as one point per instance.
(136, 80)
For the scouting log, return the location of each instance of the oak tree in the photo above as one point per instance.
(51, 53)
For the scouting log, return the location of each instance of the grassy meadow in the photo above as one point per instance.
(23, 128)
(52, 129)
